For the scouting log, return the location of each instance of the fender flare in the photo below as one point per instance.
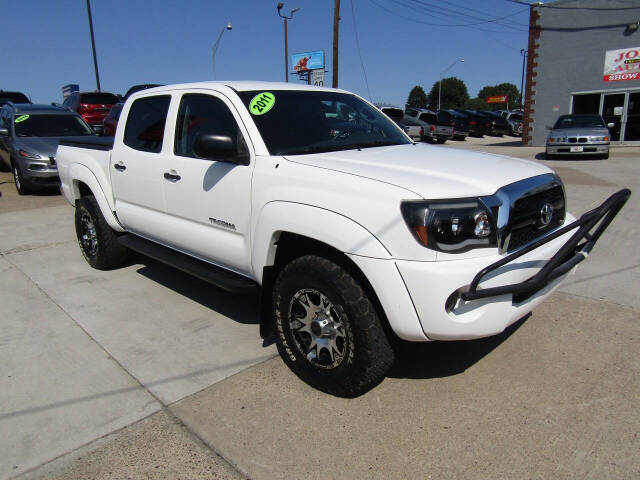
(80, 173)
(326, 226)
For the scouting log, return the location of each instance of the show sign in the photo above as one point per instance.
(622, 65)
(498, 99)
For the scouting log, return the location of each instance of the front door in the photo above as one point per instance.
(138, 164)
(209, 202)
(612, 112)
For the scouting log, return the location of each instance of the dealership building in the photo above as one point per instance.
(583, 57)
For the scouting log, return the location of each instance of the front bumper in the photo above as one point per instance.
(577, 149)
(480, 297)
(40, 171)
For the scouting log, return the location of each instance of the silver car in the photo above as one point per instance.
(29, 136)
(579, 135)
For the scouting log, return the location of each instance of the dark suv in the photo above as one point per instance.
(457, 120)
(92, 106)
(14, 97)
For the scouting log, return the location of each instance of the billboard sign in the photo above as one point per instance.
(621, 65)
(303, 62)
(69, 89)
(498, 99)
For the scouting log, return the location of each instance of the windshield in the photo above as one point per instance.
(98, 98)
(294, 122)
(579, 121)
(42, 125)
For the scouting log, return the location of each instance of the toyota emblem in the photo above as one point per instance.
(546, 214)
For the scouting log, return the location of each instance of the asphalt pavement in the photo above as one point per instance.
(144, 372)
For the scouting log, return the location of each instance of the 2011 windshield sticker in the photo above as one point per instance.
(262, 103)
(21, 118)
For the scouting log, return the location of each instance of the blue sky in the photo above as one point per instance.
(47, 43)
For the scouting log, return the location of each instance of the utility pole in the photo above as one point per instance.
(93, 45)
(336, 30)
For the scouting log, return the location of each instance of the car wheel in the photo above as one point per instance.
(440, 140)
(98, 242)
(327, 328)
(22, 186)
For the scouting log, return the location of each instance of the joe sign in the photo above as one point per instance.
(622, 65)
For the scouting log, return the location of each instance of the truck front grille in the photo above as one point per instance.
(526, 219)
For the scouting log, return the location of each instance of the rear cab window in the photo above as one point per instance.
(147, 117)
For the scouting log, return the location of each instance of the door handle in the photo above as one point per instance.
(120, 167)
(172, 176)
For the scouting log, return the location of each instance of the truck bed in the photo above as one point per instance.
(93, 143)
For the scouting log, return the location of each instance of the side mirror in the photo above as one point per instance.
(218, 147)
(4, 132)
(611, 125)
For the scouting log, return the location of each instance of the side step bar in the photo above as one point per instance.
(224, 279)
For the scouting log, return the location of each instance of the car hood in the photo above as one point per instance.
(44, 146)
(579, 132)
(429, 171)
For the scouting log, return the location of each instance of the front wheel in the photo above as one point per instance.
(328, 330)
(98, 242)
(22, 186)
(440, 141)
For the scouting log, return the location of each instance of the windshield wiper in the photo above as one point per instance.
(377, 143)
(316, 149)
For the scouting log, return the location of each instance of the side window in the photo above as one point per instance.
(204, 114)
(145, 124)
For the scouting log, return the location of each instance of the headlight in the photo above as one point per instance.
(599, 139)
(26, 154)
(556, 139)
(451, 225)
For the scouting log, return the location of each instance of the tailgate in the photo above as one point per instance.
(442, 130)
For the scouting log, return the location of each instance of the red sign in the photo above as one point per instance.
(622, 65)
(498, 99)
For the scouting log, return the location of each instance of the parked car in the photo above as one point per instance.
(478, 123)
(458, 121)
(412, 127)
(394, 113)
(14, 97)
(91, 106)
(351, 238)
(111, 120)
(515, 123)
(498, 125)
(434, 131)
(29, 136)
(579, 135)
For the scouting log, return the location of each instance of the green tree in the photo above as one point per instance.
(508, 89)
(417, 98)
(454, 93)
(476, 104)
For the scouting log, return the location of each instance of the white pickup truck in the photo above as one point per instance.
(352, 234)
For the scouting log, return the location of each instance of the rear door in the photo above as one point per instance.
(138, 164)
(209, 202)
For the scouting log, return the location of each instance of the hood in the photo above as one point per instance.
(44, 146)
(579, 132)
(429, 171)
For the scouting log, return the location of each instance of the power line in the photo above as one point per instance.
(422, 22)
(455, 9)
(355, 29)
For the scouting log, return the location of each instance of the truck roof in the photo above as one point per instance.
(242, 86)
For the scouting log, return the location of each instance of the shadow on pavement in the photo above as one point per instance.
(517, 143)
(443, 359)
(240, 308)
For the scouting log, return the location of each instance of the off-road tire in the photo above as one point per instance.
(97, 240)
(367, 354)
(22, 186)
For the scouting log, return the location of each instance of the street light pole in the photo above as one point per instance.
(440, 82)
(93, 45)
(286, 42)
(215, 48)
(524, 54)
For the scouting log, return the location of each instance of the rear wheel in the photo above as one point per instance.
(440, 141)
(98, 242)
(328, 331)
